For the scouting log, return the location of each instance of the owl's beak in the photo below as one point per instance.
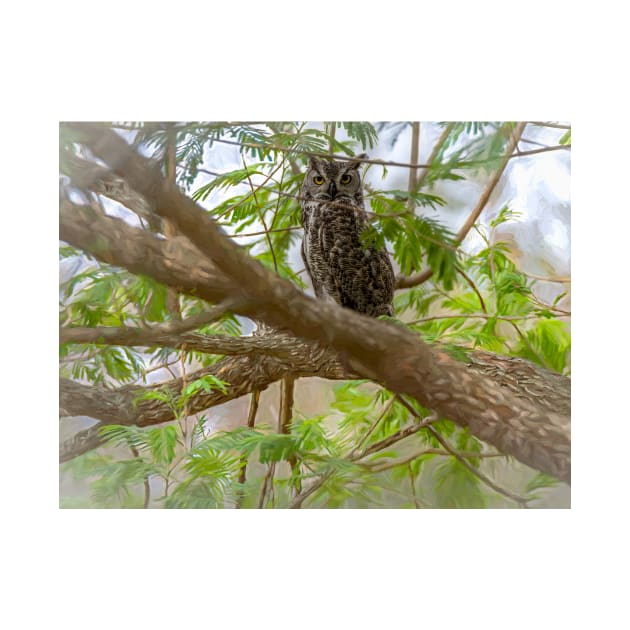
(332, 190)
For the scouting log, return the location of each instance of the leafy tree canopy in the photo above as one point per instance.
(156, 333)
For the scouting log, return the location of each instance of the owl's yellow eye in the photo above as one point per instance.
(345, 179)
(318, 179)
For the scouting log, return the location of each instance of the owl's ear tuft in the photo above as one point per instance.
(313, 162)
(357, 161)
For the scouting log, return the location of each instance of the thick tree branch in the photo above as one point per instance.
(244, 374)
(115, 242)
(382, 351)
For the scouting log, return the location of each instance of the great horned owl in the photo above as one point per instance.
(341, 267)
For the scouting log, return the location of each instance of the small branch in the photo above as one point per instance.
(472, 285)
(251, 422)
(559, 279)
(287, 385)
(434, 153)
(412, 484)
(346, 158)
(540, 144)
(289, 229)
(185, 411)
(261, 216)
(397, 437)
(147, 486)
(486, 480)
(332, 127)
(268, 480)
(414, 280)
(552, 125)
(558, 147)
(506, 318)
(388, 441)
(123, 335)
(371, 430)
(506, 493)
(381, 466)
(491, 185)
(251, 194)
(413, 158)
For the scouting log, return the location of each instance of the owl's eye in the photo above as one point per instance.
(345, 179)
(318, 179)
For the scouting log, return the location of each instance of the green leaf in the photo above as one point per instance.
(457, 487)
(162, 442)
(541, 480)
(208, 383)
(277, 447)
(164, 396)
(504, 215)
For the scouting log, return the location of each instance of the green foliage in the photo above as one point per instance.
(547, 343)
(457, 487)
(540, 481)
(350, 449)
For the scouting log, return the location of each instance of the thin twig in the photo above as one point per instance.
(559, 279)
(251, 194)
(414, 280)
(185, 412)
(147, 485)
(332, 127)
(155, 368)
(261, 216)
(287, 385)
(540, 144)
(397, 437)
(251, 422)
(529, 345)
(551, 307)
(434, 153)
(289, 229)
(268, 479)
(353, 456)
(382, 466)
(369, 432)
(491, 185)
(100, 334)
(346, 158)
(412, 185)
(552, 125)
(507, 318)
(506, 493)
(412, 483)
(472, 285)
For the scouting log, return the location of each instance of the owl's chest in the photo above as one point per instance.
(334, 233)
(332, 223)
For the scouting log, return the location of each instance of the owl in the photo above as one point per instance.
(342, 268)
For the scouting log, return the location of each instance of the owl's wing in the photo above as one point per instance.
(305, 260)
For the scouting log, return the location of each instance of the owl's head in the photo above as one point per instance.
(328, 180)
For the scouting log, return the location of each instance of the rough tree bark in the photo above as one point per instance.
(522, 410)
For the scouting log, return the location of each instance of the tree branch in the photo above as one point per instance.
(462, 460)
(244, 374)
(404, 282)
(251, 423)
